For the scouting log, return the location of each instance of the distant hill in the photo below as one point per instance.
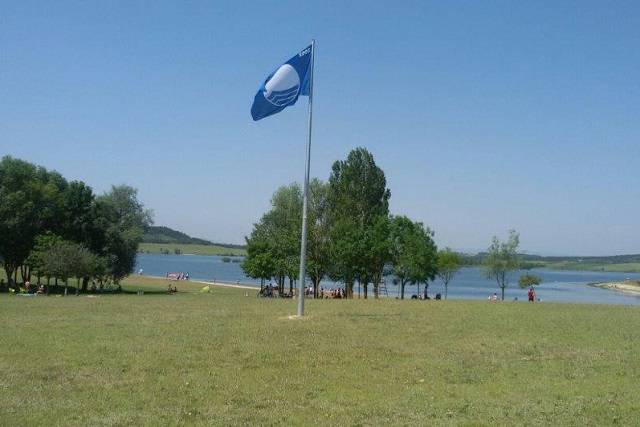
(616, 263)
(166, 235)
(611, 259)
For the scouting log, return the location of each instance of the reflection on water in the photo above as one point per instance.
(469, 283)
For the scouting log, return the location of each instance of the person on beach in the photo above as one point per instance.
(532, 295)
(494, 297)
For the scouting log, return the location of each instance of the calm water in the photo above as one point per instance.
(469, 283)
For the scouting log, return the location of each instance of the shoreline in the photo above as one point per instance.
(629, 287)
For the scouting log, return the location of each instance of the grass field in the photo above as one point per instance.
(190, 249)
(226, 359)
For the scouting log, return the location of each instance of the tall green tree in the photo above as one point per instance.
(318, 238)
(413, 253)
(121, 221)
(425, 255)
(278, 234)
(449, 263)
(501, 259)
(377, 249)
(358, 196)
(29, 205)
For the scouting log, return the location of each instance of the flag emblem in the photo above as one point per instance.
(283, 87)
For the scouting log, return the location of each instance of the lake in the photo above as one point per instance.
(469, 283)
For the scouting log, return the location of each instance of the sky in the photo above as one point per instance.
(485, 116)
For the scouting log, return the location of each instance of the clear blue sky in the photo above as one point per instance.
(485, 116)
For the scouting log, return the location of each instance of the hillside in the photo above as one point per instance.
(189, 249)
(616, 263)
(166, 235)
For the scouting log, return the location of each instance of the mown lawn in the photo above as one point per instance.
(227, 359)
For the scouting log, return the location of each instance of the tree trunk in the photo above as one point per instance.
(23, 273)
(85, 284)
(366, 289)
(402, 289)
(348, 290)
(66, 286)
(316, 288)
(446, 289)
(502, 290)
(291, 286)
(9, 271)
(376, 290)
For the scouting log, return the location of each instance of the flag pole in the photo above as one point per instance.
(305, 193)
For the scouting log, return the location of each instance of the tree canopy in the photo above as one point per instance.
(350, 231)
(43, 217)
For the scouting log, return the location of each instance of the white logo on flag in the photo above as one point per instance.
(283, 86)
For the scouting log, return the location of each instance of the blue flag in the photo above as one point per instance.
(283, 86)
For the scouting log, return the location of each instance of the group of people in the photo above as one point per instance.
(336, 293)
(37, 290)
(426, 296)
(531, 296)
(178, 276)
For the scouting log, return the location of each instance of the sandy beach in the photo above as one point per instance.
(626, 286)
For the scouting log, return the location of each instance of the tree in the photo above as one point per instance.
(39, 260)
(29, 205)
(258, 264)
(318, 227)
(120, 221)
(377, 253)
(426, 256)
(449, 263)
(357, 198)
(413, 252)
(277, 234)
(501, 259)
(528, 280)
(63, 260)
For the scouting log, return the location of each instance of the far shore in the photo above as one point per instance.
(626, 286)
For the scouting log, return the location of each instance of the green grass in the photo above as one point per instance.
(190, 249)
(226, 359)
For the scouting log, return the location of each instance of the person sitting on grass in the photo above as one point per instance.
(40, 290)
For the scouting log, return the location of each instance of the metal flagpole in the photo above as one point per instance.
(305, 193)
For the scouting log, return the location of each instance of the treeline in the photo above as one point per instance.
(55, 229)
(352, 238)
(479, 258)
